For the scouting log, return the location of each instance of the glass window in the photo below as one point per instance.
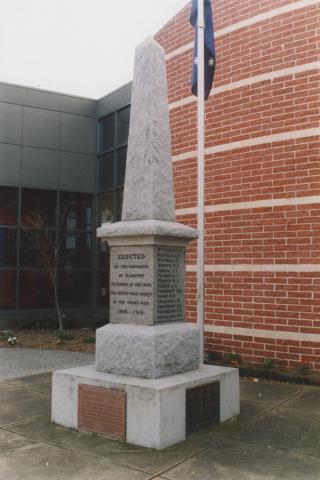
(121, 157)
(107, 205)
(38, 208)
(7, 289)
(36, 289)
(8, 247)
(123, 119)
(74, 288)
(103, 288)
(75, 250)
(8, 206)
(119, 194)
(106, 171)
(75, 211)
(37, 248)
(107, 131)
(103, 254)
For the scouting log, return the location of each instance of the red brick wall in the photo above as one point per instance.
(262, 177)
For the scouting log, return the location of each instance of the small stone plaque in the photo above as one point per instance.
(202, 407)
(131, 285)
(102, 410)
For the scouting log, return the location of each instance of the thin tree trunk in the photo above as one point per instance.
(57, 304)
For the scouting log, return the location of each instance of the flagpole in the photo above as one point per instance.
(201, 219)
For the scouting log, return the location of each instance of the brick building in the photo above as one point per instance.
(262, 177)
(262, 183)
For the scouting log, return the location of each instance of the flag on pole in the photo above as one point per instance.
(209, 48)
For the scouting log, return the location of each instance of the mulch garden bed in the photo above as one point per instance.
(273, 374)
(75, 340)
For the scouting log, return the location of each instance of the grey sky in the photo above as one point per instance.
(81, 47)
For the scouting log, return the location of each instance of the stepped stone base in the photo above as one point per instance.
(147, 352)
(155, 411)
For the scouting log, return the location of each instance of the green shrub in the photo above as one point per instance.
(38, 321)
(233, 357)
(64, 336)
(89, 340)
(268, 363)
(5, 335)
(304, 368)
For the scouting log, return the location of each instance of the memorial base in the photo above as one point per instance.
(158, 413)
(148, 352)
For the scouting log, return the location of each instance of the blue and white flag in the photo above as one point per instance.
(209, 48)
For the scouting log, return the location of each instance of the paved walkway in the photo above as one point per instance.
(276, 437)
(19, 362)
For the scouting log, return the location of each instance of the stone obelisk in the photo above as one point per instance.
(146, 386)
(147, 336)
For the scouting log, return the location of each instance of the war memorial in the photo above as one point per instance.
(147, 386)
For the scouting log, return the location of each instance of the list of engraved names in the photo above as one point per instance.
(170, 284)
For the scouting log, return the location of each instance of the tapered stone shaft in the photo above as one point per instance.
(147, 336)
(148, 190)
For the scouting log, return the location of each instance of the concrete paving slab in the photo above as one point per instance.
(286, 430)
(267, 392)
(42, 429)
(39, 383)
(119, 453)
(307, 402)
(155, 462)
(18, 404)
(232, 460)
(10, 441)
(248, 411)
(19, 362)
(39, 461)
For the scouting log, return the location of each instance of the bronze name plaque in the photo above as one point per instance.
(102, 410)
(202, 407)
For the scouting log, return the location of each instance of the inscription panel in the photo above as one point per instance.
(171, 279)
(202, 407)
(131, 285)
(102, 410)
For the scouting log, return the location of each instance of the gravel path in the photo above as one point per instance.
(19, 362)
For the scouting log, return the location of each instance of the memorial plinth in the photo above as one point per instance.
(147, 336)
(147, 357)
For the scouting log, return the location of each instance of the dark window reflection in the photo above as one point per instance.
(103, 285)
(37, 248)
(38, 208)
(103, 255)
(8, 206)
(106, 171)
(121, 157)
(107, 205)
(8, 247)
(107, 133)
(123, 119)
(75, 288)
(7, 289)
(75, 250)
(75, 211)
(119, 203)
(36, 290)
